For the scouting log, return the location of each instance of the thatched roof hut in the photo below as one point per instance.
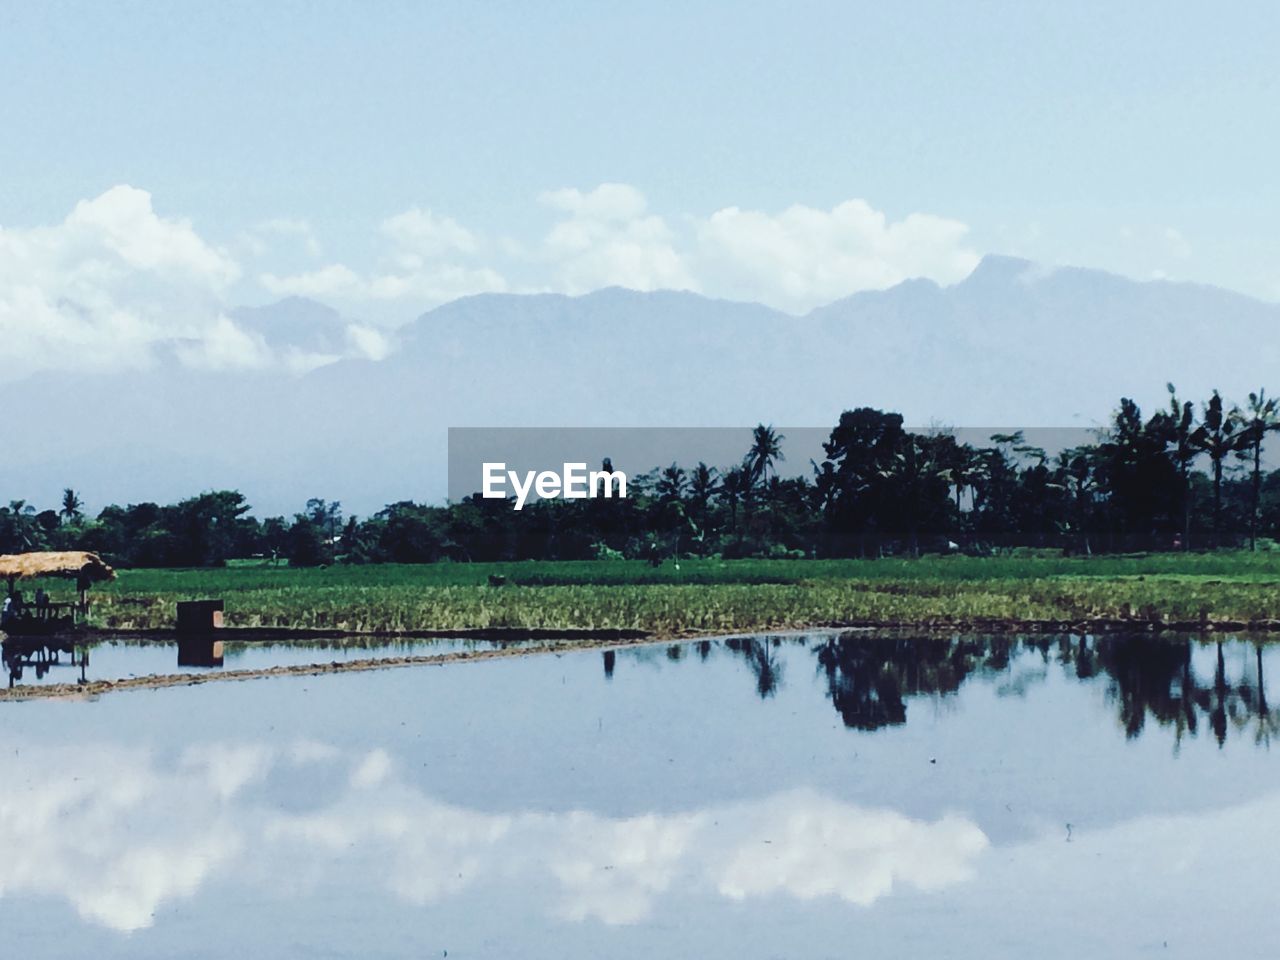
(69, 564)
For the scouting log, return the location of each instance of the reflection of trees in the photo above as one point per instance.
(762, 657)
(1150, 676)
(871, 679)
(1153, 677)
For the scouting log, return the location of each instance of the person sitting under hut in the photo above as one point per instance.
(13, 608)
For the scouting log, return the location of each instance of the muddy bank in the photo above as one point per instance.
(95, 688)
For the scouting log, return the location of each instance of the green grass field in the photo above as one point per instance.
(710, 595)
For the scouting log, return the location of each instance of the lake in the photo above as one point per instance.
(796, 796)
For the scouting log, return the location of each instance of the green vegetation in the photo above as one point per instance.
(711, 595)
(1170, 481)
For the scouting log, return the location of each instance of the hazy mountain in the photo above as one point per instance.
(296, 323)
(1015, 344)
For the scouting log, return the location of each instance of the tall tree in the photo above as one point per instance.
(735, 490)
(1260, 418)
(1219, 437)
(766, 450)
(671, 484)
(862, 452)
(704, 483)
(1076, 476)
(71, 506)
(1180, 432)
(18, 527)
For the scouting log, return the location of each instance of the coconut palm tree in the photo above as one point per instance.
(735, 489)
(1260, 418)
(671, 483)
(1076, 476)
(1180, 426)
(766, 450)
(1219, 436)
(704, 483)
(71, 506)
(17, 527)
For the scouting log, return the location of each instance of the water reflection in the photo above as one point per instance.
(200, 652)
(40, 656)
(118, 833)
(30, 661)
(676, 806)
(1179, 682)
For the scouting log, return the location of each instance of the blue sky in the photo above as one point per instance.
(286, 138)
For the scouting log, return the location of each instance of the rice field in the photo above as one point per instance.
(709, 595)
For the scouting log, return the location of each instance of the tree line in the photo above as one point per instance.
(1186, 477)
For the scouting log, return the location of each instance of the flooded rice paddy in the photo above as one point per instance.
(812, 796)
(41, 663)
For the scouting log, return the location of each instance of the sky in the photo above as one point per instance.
(161, 164)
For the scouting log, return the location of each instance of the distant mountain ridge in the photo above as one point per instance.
(1015, 343)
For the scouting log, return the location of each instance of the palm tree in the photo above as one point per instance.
(735, 488)
(18, 527)
(1263, 417)
(1181, 436)
(71, 506)
(1218, 437)
(1076, 476)
(671, 483)
(766, 449)
(704, 483)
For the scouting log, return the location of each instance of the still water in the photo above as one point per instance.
(41, 663)
(820, 796)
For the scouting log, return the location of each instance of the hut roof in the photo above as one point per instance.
(70, 564)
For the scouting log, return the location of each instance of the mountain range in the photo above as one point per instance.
(1015, 344)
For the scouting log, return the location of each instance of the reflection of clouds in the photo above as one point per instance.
(119, 834)
(372, 771)
(227, 769)
(810, 846)
(110, 833)
(417, 847)
(612, 869)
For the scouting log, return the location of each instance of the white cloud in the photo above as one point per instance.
(608, 203)
(805, 257)
(334, 281)
(426, 264)
(224, 346)
(367, 342)
(794, 260)
(100, 288)
(420, 235)
(122, 224)
(609, 240)
(104, 287)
